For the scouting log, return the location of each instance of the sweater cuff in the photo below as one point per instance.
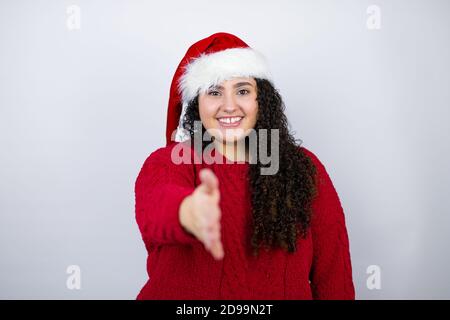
(178, 233)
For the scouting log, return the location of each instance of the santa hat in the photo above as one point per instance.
(208, 62)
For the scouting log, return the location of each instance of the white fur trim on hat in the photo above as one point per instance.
(211, 69)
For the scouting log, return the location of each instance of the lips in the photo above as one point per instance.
(230, 122)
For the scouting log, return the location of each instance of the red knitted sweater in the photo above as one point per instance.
(180, 268)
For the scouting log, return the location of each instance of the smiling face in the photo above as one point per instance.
(229, 110)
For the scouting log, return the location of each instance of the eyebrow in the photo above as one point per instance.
(239, 84)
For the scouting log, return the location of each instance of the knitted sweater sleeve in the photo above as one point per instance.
(331, 272)
(160, 188)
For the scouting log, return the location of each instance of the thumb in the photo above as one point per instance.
(209, 180)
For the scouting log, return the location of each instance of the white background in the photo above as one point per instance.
(81, 109)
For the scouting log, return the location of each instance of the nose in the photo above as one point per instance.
(229, 104)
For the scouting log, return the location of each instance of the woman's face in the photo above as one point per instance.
(229, 110)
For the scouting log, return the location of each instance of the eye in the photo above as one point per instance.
(211, 93)
(244, 90)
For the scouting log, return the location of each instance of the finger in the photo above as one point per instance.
(217, 250)
(211, 234)
(213, 216)
(206, 239)
(209, 180)
(209, 218)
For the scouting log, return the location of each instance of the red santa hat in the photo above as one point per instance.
(208, 62)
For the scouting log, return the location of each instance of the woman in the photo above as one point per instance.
(220, 221)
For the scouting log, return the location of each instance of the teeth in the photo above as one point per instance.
(230, 120)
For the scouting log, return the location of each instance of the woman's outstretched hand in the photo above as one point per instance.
(200, 213)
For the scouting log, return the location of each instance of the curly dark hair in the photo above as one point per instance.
(281, 203)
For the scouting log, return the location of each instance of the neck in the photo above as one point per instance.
(235, 151)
